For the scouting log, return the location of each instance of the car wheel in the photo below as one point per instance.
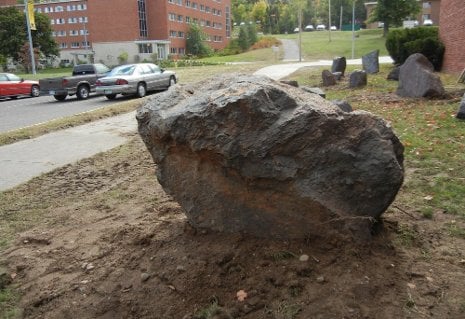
(110, 96)
(141, 90)
(172, 81)
(60, 97)
(82, 92)
(35, 91)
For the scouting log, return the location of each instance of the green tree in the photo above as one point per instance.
(259, 12)
(243, 39)
(195, 41)
(392, 12)
(13, 34)
(251, 34)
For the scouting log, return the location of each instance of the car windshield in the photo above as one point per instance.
(122, 70)
(12, 77)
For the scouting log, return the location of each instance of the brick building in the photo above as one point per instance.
(103, 30)
(452, 34)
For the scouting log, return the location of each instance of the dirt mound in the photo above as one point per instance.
(111, 244)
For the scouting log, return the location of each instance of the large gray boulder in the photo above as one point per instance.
(417, 78)
(328, 78)
(357, 79)
(370, 62)
(248, 154)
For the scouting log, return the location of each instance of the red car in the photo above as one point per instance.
(13, 86)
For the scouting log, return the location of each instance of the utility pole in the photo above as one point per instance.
(300, 33)
(29, 34)
(353, 28)
(329, 15)
(340, 20)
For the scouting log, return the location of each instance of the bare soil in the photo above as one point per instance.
(109, 243)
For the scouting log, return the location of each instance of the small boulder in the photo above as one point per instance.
(339, 65)
(337, 76)
(461, 111)
(394, 74)
(314, 90)
(328, 78)
(244, 153)
(417, 78)
(343, 105)
(357, 79)
(370, 62)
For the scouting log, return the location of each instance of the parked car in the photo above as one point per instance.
(320, 27)
(13, 86)
(137, 79)
(296, 30)
(333, 28)
(309, 28)
(428, 22)
(81, 82)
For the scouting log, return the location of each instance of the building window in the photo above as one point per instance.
(72, 20)
(74, 45)
(171, 1)
(82, 7)
(180, 34)
(426, 5)
(142, 19)
(182, 51)
(173, 51)
(173, 34)
(145, 48)
(60, 21)
(171, 17)
(188, 19)
(83, 20)
(179, 2)
(59, 9)
(194, 5)
(84, 32)
(85, 44)
(188, 3)
(202, 8)
(73, 33)
(63, 45)
(207, 9)
(71, 8)
(180, 18)
(228, 23)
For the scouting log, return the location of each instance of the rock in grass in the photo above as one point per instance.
(248, 154)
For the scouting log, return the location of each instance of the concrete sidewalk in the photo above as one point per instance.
(21, 161)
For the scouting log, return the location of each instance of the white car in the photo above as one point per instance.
(137, 79)
(296, 30)
(333, 28)
(428, 22)
(309, 28)
(321, 27)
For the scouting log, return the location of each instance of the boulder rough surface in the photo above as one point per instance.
(358, 79)
(328, 78)
(370, 62)
(244, 153)
(417, 78)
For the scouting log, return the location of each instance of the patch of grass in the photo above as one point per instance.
(427, 212)
(211, 311)
(316, 45)
(283, 310)
(8, 301)
(406, 235)
(282, 255)
(455, 230)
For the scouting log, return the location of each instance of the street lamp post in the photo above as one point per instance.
(29, 34)
(353, 28)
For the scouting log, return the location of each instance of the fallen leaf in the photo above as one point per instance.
(13, 275)
(241, 295)
(411, 286)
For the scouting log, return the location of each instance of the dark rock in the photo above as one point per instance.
(328, 78)
(461, 112)
(339, 65)
(343, 105)
(370, 62)
(290, 82)
(357, 79)
(417, 78)
(394, 74)
(314, 90)
(245, 153)
(337, 76)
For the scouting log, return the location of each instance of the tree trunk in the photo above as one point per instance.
(385, 29)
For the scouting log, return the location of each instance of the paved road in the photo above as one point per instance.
(25, 112)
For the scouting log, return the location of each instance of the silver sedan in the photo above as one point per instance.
(137, 79)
